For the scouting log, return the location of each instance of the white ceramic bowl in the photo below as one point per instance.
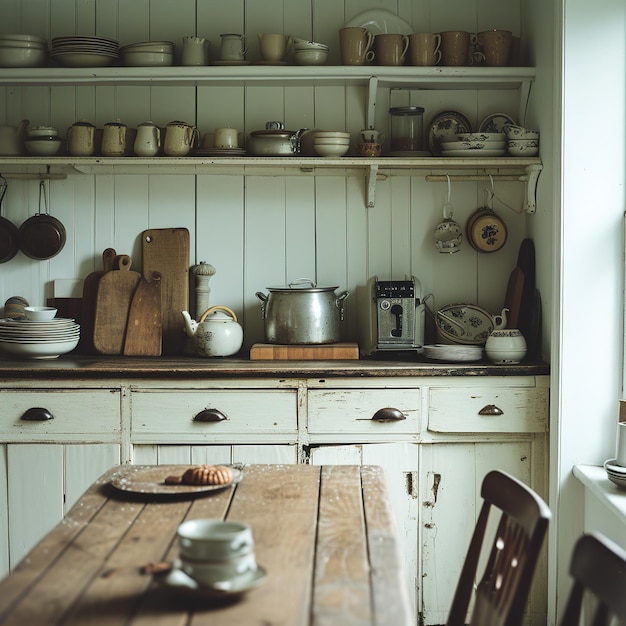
(147, 59)
(24, 39)
(331, 133)
(523, 147)
(41, 131)
(331, 141)
(488, 137)
(304, 44)
(40, 350)
(310, 56)
(519, 132)
(330, 150)
(150, 46)
(22, 57)
(42, 146)
(39, 313)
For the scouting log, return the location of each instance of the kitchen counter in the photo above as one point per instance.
(191, 367)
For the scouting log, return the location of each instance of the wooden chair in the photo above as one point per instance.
(598, 567)
(501, 595)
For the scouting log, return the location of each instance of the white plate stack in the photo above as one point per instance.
(480, 145)
(453, 353)
(38, 340)
(80, 51)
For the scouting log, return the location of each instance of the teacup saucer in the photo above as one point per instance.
(177, 579)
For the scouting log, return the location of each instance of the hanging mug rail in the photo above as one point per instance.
(34, 176)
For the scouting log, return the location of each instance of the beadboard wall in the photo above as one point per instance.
(259, 230)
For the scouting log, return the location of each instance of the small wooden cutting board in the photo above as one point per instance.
(115, 292)
(143, 329)
(299, 352)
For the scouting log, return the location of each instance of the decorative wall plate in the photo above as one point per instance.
(445, 126)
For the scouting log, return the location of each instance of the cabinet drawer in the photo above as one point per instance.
(90, 414)
(486, 410)
(186, 415)
(354, 410)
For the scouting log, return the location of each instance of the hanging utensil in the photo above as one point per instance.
(448, 233)
(486, 231)
(9, 240)
(42, 236)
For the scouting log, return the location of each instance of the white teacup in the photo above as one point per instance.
(370, 135)
(211, 572)
(214, 540)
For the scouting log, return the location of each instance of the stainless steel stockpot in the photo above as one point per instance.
(302, 313)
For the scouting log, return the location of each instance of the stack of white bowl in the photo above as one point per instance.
(44, 337)
(42, 140)
(83, 51)
(475, 145)
(310, 52)
(521, 141)
(148, 54)
(22, 51)
(331, 143)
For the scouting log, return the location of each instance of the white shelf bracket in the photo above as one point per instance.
(370, 193)
(532, 175)
(372, 87)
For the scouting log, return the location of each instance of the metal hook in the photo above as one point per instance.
(449, 188)
(42, 193)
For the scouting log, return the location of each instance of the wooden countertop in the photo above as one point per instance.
(324, 536)
(194, 367)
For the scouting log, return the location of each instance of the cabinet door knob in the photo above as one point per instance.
(388, 414)
(210, 415)
(491, 409)
(37, 414)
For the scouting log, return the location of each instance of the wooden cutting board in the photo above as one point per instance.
(143, 328)
(321, 352)
(90, 294)
(513, 298)
(115, 292)
(166, 252)
(526, 262)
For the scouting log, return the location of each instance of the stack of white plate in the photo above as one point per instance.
(38, 340)
(475, 145)
(22, 51)
(615, 473)
(453, 353)
(80, 51)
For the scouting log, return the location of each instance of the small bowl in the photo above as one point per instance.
(523, 147)
(22, 57)
(331, 133)
(41, 131)
(488, 137)
(43, 146)
(146, 59)
(149, 46)
(370, 150)
(330, 150)
(39, 313)
(331, 141)
(304, 44)
(519, 132)
(310, 56)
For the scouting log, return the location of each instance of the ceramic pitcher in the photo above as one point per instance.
(148, 140)
(180, 137)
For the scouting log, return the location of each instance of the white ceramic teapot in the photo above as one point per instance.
(217, 332)
(505, 346)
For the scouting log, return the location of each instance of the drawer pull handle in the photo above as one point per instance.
(210, 415)
(37, 414)
(388, 414)
(491, 409)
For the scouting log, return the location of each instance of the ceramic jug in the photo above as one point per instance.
(114, 139)
(12, 139)
(233, 47)
(81, 139)
(148, 140)
(217, 332)
(180, 137)
(195, 51)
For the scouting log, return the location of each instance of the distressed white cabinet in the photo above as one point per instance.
(47, 461)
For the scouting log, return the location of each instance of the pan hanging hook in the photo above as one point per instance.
(43, 196)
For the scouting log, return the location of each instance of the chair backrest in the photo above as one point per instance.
(598, 567)
(502, 593)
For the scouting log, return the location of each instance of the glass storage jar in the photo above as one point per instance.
(407, 130)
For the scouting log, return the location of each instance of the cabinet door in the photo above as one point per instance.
(451, 475)
(198, 454)
(43, 482)
(400, 462)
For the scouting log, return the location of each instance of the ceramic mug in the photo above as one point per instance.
(195, 51)
(226, 138)
(214, 540)
(355, 45)
(273, 46)
(234, 47)
(495, 45)
(390, 48)
(455, 48)
(424, 49)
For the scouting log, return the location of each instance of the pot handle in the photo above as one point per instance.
(339, 303)
(217, 307)
(263, 298)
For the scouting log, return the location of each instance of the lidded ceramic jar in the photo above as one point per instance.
(505, 346)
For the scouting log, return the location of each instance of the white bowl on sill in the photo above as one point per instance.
(22, 57)
(310, 56)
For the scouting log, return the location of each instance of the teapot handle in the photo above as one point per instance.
(217, 307)
(499, 321)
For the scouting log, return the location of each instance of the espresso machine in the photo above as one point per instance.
(392, 315)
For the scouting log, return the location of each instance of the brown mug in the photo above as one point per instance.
(424, 49)
(495, 46)
(455, 47)
(390, 48)
(355, 45)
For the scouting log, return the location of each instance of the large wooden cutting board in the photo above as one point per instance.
(143, 329)
(115, 292)
(299, 352)
(166, 252)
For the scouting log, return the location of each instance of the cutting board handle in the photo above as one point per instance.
(124, 262)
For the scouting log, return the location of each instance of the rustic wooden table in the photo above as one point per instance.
(324, 535)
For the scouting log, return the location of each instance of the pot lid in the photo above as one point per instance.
(302, 286)
(276, 129)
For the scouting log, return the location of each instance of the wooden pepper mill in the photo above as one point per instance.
(203, 273)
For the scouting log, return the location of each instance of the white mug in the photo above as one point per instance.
(214, 540)
(195, 51)
(226, 138)
(234, 47)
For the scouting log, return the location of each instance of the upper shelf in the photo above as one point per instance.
(407, 76)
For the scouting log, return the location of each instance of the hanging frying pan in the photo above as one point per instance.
(42, 236)
(9, 239)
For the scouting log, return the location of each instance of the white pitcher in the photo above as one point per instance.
(148, 140)
(195, 51)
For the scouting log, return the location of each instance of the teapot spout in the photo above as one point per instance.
(191, 326)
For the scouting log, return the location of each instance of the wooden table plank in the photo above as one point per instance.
(387, 579)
